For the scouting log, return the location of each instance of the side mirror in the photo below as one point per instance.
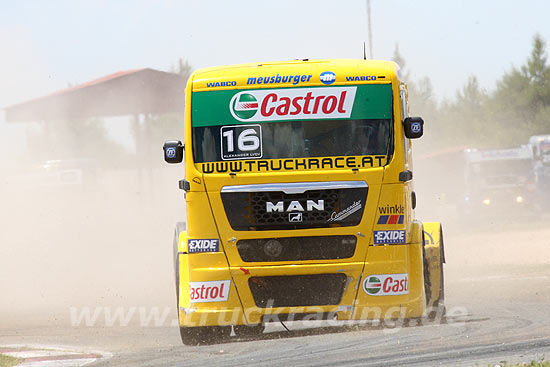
(414, 127)
(173, 151)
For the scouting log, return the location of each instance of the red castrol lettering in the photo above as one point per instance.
(215, 291)
(295, 103)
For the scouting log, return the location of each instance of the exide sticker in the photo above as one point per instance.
(212, 245)
(386, 284)
(215, 291)
(389, 237)
(293, 104)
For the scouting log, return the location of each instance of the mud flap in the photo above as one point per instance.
(435, 256)
(180, 227)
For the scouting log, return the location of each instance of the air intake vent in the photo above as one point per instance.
(297, 248)
(298, 290)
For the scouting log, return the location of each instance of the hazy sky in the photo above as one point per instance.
(47, 44)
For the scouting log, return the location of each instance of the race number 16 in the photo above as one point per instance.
(241, 142)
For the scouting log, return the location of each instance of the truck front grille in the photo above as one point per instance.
(297, 248)
(276, 210)
(297, 290)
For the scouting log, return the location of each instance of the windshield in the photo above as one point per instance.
(297, 139)
(499, 173)
(516, 167)
(335, 121)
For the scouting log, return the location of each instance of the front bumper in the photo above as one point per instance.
(241, 306)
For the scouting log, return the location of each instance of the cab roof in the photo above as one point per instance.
(294, 73)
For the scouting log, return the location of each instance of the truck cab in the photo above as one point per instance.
(300, 198)
(499, 182)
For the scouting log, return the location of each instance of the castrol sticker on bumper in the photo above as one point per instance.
(386, 284)
(214, 291)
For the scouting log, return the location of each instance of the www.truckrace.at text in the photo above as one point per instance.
(294, 164)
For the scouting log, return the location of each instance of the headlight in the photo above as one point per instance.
(519, 199)
(486, 202)
(273, 248)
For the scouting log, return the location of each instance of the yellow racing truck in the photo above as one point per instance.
(300, 201)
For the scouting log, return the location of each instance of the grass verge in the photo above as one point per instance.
(540, 363)
(7, 361)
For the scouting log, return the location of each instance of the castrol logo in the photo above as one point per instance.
(293, 104)
(386, 284)
(214, 291)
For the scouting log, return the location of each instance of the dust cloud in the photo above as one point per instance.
(86, 232)
(98, 231)
(482, 247)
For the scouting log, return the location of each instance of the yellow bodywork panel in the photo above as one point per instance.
(204, 276)
(292, 74)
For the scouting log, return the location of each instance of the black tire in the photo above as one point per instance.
(248, 331)
(204, 334)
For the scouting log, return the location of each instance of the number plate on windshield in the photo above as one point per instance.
(241, 142)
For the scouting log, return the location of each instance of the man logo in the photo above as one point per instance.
(295, 217)
(327, 77)
(295, 206)
(244, 105)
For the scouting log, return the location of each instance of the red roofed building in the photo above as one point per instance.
(131, 92)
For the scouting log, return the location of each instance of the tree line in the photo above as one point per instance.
(517, 108)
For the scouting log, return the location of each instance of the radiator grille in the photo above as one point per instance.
(297, 290)
(273, 210)
(297, 248)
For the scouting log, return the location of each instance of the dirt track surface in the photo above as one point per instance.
(497, 295)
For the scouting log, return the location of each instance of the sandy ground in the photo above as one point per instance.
(110, 248)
